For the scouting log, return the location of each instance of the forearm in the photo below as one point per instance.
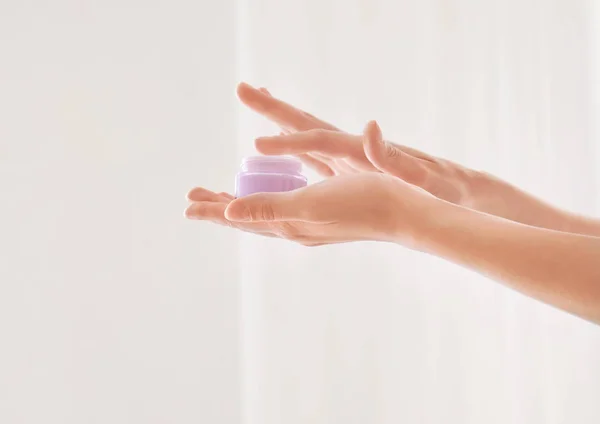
(576, 224)
(558, 268)
(512, 203)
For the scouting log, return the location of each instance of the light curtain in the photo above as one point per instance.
(374, 333)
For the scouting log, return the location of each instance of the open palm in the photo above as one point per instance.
(357, 206)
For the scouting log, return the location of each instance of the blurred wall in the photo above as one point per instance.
(113, 308)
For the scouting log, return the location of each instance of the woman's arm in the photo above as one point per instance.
(577, 224)
(558, 268)
(331, 151)
(497, 197)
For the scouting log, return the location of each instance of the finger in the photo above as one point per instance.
(215, 212)
(344, 167)
(334, 144)
(283, 114)
(227, 195)
(323, 145)
(339, 166)
(321, 167)
(268, 93)
(316, 161)
(319, 164)
(199, 194)
(266, 207)
(390, 159)
(415, 153)
(206, 210)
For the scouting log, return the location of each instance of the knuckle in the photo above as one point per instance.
(392, 152)
(460, 176)
(476, 182)
(448, 168)
(266, 213)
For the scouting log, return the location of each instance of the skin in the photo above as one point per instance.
(378, 190)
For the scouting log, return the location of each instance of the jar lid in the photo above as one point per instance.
(275, 164)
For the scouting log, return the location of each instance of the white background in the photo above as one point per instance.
(114, 309)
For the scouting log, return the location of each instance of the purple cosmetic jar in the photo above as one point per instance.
(263, 174)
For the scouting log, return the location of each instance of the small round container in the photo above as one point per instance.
(264, 174)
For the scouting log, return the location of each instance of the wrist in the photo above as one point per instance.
(443, 219)
(417, 228)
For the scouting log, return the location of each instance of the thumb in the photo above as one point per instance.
(263, 207)
(390, 159)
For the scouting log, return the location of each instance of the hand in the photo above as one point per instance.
(347, 158)
(331, 151)
(366, 206)
(291, 120)
(443, 179)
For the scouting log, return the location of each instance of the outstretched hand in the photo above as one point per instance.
(331, 151)
(365, 206)
(335, 153)
(387, 192)
(293, 120)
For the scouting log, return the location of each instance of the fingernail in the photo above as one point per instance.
(192, 212)
(188, 214)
